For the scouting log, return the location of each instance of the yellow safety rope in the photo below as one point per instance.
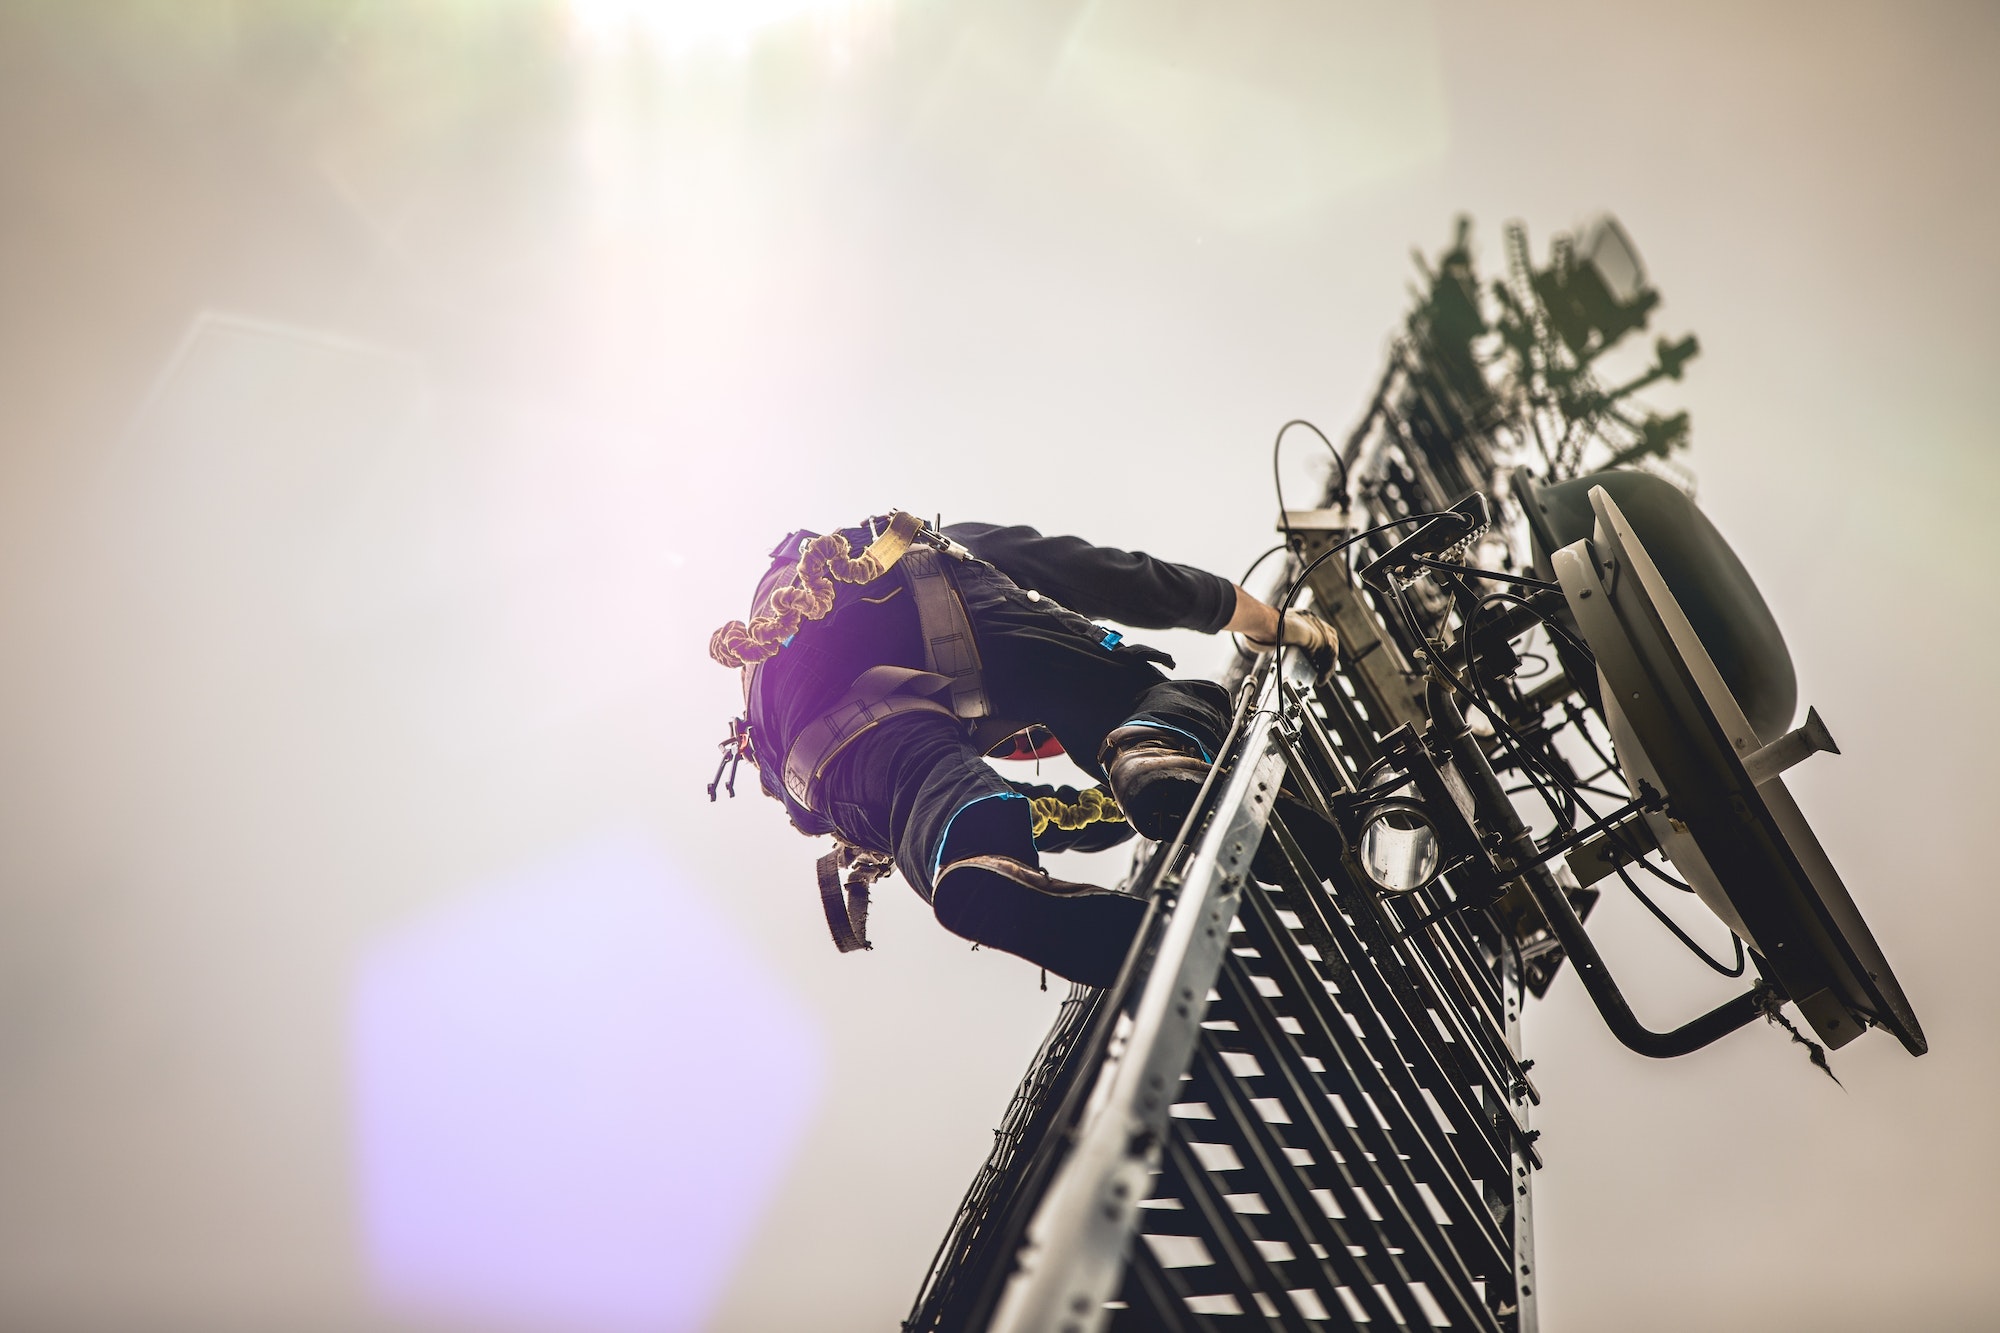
(809, 594)
(1093, 805)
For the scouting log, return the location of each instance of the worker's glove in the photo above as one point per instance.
(1304, 630)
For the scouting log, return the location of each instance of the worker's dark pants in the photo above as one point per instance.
(915, 785)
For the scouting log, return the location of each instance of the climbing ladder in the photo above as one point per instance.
(1307, 1109)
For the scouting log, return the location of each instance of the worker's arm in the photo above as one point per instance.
(1103, 582)
(1137, 589)
(1259, 624)
(1253, 619)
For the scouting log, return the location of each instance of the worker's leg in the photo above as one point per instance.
(962, 838)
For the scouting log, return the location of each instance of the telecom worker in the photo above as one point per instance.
(874, 684)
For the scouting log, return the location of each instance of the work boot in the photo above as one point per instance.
(1076, 931)
(1155, 775)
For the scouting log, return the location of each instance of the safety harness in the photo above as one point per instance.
(951, 685)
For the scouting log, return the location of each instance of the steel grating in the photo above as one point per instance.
(1349, 1128)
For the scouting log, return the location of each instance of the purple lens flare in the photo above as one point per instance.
(558, 1124)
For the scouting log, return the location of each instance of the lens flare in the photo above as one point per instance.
(689, 25)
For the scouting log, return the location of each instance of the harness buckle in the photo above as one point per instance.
(735, 749)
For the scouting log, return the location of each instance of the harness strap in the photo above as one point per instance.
(847, 918)
(949, 648)
(951, 653)
(877, 693)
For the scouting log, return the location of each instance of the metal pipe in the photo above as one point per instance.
(1448, 726)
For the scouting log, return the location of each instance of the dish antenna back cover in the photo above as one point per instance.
(1742, 839)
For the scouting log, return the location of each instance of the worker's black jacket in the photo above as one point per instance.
(867, 628)
(1102, 582)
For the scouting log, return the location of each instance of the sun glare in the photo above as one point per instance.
(687, 25)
